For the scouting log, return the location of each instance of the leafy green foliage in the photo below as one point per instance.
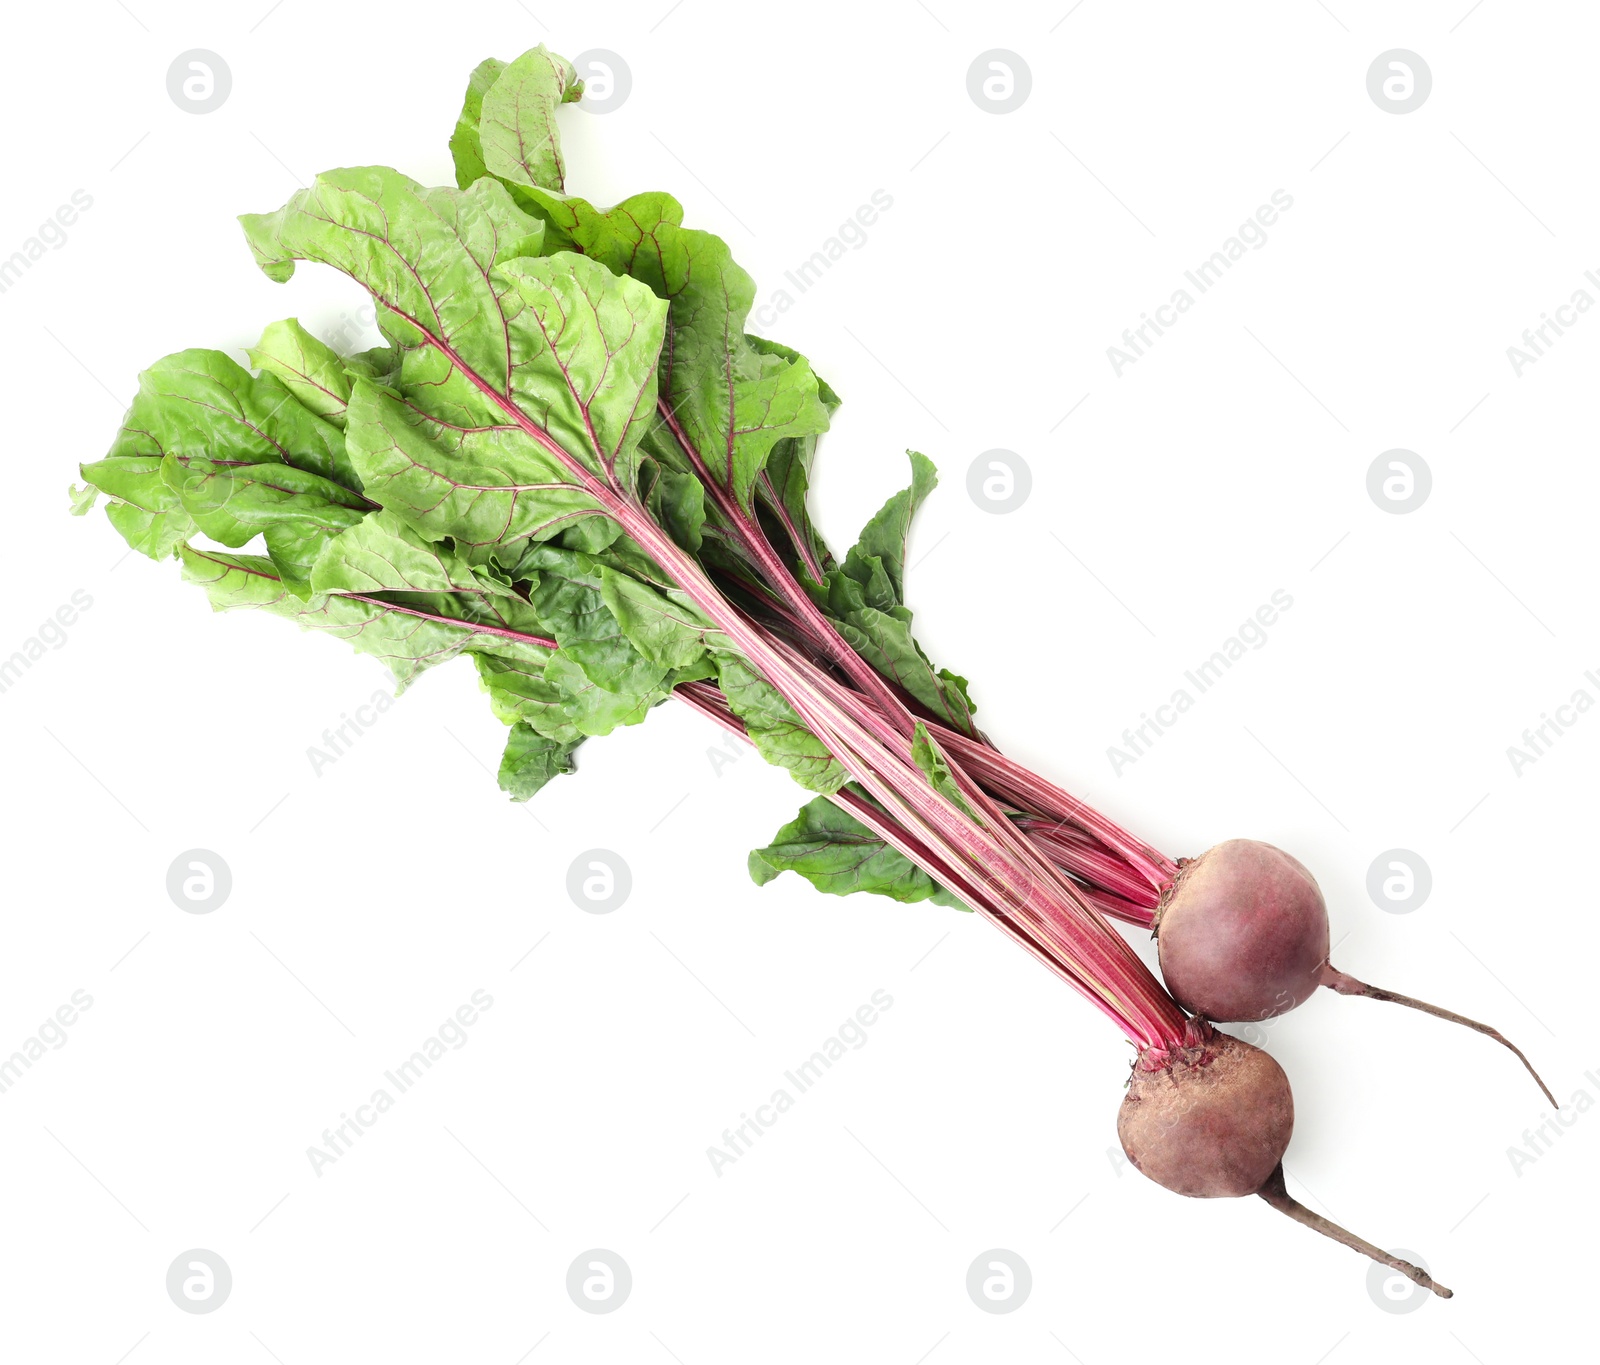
(516, 133)
(733, 399)
(310, 369)
(777, 732)
(839, 855)
(865, 598)
(531, 760)
(436, 496)
(932, 762)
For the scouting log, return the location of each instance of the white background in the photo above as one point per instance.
(372, 900)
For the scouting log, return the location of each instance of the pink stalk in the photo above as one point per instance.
(870, 816)
(1062, 852)
(811, 619)
(1073, 851)
(1012, 782)
(801, 548)
(1071, 846)
(1009, 780)
(1113, 906)
(705, 699)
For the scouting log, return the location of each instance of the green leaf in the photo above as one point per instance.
(590, 535)
(381, 553)
(568, 593)
(732, 399)
(519, 380)
(669, 631)
(487, 486)
(932, 762)
(409, 636)
(381, 364)
(774, 728)
(677, 501)
(865, 598)
(839, 855)
(516, 133)
(883, 539)
(786, 481)
(298, 512)
(310, 369)
(531, 760)
(202, 403)
(426, 256)
(504, 359)
(594, 709)
(885, 642)
(466, 150)
(561, 701)
(147, 514)
(585, 351)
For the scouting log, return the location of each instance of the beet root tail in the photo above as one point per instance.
(1276, 1193)
(1335, 980)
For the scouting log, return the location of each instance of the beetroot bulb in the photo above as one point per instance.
(1210, 1117)
(1241, 930)
(1205, 1114)
(1242, 934)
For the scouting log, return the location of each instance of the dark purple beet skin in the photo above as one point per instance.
(1209, 1119)
(1243, 935)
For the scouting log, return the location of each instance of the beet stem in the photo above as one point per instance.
(1276, 1193)
(1335, 980)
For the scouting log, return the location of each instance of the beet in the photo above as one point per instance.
(1242, 934)
(1211, 1118)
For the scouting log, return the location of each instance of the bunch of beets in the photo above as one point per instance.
(571, 463)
